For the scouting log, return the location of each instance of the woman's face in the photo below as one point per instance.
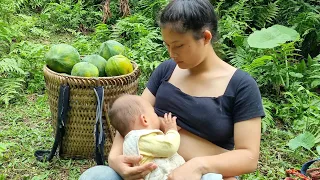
(183, 48)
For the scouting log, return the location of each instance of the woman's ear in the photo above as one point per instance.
(207, 36)
(143, 120)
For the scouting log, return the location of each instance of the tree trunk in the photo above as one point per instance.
(124, 7)
(106, 10)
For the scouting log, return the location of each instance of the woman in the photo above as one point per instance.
(219, 107)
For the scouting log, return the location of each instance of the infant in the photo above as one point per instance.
(134, 118)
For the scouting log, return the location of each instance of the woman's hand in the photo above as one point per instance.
(124, 166)
(191, 170)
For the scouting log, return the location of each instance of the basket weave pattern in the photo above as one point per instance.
(78, 142)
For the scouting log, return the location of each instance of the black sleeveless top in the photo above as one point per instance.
(211, 118)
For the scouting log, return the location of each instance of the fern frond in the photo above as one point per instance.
(8, 66)
(131, 29)
(151, 8)
(289, 9)
(11, 88)
(240, 11)
(306, 21)
(259, 62)
(243, 57)
(11, 80)
(267, 121)
(101, 32)
(151, 47)
(265, 14)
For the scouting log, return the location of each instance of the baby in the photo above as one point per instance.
(134, 118)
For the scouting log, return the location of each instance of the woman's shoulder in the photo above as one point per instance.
(162, 72)
(167, 64)
(241, 80)
(248, 100)
(165, 68)
(242, 77)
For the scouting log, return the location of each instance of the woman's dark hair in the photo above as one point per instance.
(190, 15)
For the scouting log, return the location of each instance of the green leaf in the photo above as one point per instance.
(318, 150)
(2, 177)
(315, 83)
(41, 177)
(306, 140)
(272, 36)
(261, 61)
(4, 147)
(315, 77)
(310, 61)
(302, 66)
(297, 75)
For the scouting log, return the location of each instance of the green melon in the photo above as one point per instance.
(85, 69)
(118, 65)
(111, 48)
(98, 61)
(61, 58)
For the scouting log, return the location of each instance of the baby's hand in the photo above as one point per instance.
(169, 122)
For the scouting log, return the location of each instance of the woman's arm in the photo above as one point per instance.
(116, 149)
(243, 159)
(123, 165)
(147, 95)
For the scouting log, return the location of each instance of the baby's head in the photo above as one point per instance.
(132, 112)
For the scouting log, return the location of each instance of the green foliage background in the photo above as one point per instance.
(288, 75)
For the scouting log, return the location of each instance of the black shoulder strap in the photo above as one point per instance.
(98, 129)
(63, 108)
(306, 166)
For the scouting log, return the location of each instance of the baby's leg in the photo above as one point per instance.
(211, 176)
(230, 178)
(214, 176)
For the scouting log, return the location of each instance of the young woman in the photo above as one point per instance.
(218, 107)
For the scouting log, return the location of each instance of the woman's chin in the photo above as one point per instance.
(182, 65)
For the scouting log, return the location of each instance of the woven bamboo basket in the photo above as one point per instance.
(78, 142)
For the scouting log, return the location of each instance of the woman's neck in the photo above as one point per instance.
(209, 64)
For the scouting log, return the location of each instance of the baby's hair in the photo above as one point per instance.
(124, 112)
(190, 15)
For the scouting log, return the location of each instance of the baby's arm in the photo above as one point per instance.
(162, 145)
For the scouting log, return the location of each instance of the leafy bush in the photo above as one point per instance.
(31, 58)
(85, 44)
(269, 108)
(68, 15)
(101, 33)
(148, 8)
(239, 18)
(300, 108)
(313, 73)
(11, 81)
(144, 43)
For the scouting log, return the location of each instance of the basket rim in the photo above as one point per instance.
(135, 70)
